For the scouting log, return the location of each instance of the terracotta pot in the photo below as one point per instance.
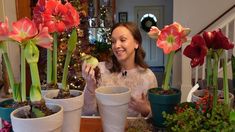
(52, 123)
(72, 108)
(113, 105)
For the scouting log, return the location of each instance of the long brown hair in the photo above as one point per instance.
(139, 52)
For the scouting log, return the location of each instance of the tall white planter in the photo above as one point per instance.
(52, 123)
(113, 105)
(72, 108)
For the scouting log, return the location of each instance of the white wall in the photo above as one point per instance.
(8, 9)
(197, 14)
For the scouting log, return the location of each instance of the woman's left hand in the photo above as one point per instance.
(141, 105)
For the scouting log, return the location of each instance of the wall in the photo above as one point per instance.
(8, 9)
(129, 5)
(197, 14)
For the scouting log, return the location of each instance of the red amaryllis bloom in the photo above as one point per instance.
(221, 41)
(172, 37)
(38, 11)
(59, 17)
(4, 30)
(217, 40)
(55, 16)
(73, 15)
(23, 29)
(197, 50)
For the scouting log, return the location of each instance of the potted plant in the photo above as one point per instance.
(59, 18)
(25, 33)
(212, 46)
(208, 112)
(164, 98)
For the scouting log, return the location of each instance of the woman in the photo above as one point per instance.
(126, 68)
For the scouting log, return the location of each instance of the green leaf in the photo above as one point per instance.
(37, 112)
(72, 41)
(232, 116)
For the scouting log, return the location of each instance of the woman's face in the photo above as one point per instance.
(123, 44)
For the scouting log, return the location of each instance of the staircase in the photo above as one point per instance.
(189, 77)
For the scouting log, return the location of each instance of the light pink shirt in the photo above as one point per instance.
(138, 80)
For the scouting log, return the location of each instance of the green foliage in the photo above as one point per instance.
(191, 119)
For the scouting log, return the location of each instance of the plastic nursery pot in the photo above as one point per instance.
(161, 102)
(6, 111)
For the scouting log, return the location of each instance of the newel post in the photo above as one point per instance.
(182, 73)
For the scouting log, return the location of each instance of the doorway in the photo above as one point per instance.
(154, 55)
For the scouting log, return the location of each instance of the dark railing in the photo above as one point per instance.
(217, 19)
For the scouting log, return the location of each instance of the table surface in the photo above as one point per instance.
(94, 124)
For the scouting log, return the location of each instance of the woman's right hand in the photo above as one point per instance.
(88, 73)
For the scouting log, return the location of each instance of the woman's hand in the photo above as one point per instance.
(141, 105)
(88, 74)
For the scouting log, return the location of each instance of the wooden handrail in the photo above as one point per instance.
(217, 19)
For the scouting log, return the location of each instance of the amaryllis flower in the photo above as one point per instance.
(172, 37)
(217, 40)
(196, 51)
(55, 16)
(221, 41)
(73, 15)
(4, 30)
(154, 32)
(38, 10)
(23, 29)
(44, 39)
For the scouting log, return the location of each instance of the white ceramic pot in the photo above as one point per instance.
(113, 105)
(45, 91)
(72, 108)
(52, 123)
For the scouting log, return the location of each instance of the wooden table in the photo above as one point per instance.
(91, 124)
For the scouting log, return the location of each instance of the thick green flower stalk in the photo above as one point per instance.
(225, 82)
(168, 71)
(215, 80)
(31, 53)
(52, 61)
(71, 47)
(22, 75)
(15, 87)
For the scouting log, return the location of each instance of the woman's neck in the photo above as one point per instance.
(128, 66)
